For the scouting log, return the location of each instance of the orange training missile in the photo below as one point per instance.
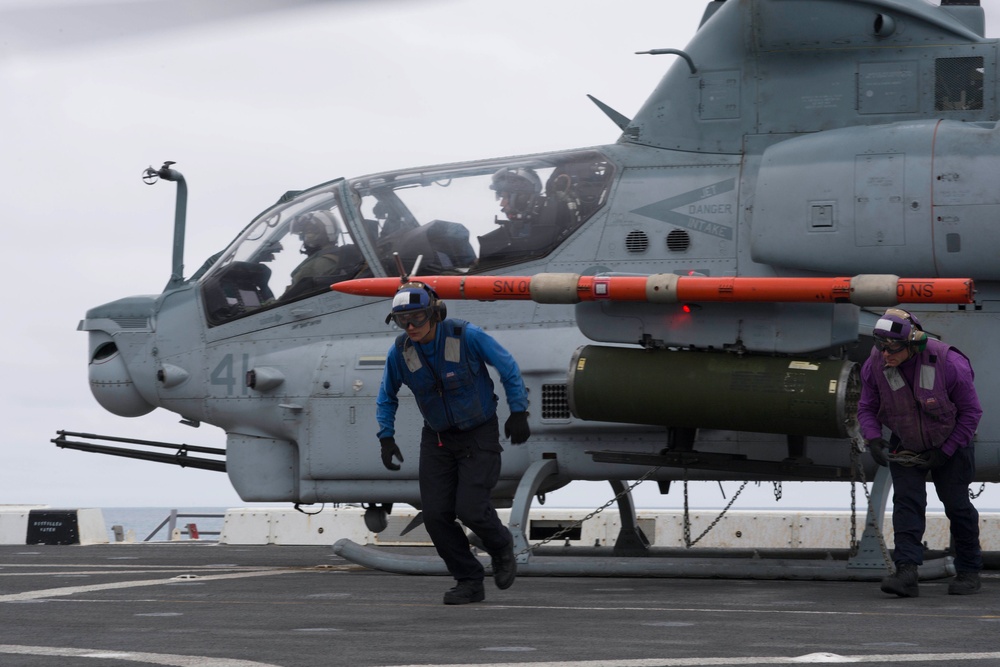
(863, 290)
(481, 288)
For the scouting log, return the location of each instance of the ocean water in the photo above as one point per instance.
(143, 521)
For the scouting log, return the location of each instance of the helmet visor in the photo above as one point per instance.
(417, 318)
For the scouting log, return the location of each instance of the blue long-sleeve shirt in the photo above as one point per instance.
(482, 348)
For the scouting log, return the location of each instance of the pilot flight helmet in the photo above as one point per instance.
(316, 221)
(415, 303)
(898, 329)
(521, 186)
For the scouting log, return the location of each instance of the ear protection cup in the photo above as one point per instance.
(439, 310)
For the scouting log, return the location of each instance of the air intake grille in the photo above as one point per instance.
(554, 402)
(131, 322)
(958, 84)
(636, 242)
(678, 240)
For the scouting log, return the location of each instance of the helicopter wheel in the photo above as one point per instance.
(377, 517)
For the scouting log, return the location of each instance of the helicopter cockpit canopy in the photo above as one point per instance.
(460, 218)
(480, 216)
(295, 249)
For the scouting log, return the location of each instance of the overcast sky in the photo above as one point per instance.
(248, 108)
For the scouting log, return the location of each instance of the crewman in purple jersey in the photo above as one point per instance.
(921, 391)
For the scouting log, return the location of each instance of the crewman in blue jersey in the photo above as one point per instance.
(443, 361)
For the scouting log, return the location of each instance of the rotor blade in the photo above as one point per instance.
(40, 27)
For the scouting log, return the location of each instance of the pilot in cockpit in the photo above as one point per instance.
(536, 220)
(519, 191)
(318, 232)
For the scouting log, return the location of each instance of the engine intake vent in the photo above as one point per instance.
(636, 242)
(555, 405)
(678, 240)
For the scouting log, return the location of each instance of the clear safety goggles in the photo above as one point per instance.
(890, 346)
(417, 318)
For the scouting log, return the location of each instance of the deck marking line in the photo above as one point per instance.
(73, 590)
(935, 658)
(167, 659)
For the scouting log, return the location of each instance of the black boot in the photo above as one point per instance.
(465, 592)
(965, 583)
(504, 566)
(904, 582)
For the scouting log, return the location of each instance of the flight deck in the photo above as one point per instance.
(200, 604)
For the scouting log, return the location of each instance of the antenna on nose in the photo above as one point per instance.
(167, 173)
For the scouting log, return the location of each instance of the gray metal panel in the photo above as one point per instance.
(892, 87)
(875, 182)
(878, 204)
(805, 91)
(774, 328)
(720, 95)
(967, 200)
(668, 119)
(653, 202)
(808, 66)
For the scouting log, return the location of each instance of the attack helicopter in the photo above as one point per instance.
(802, 165)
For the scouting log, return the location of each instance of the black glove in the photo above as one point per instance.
(516, 428)
(878, 449)
(933, 458)
(390, 449)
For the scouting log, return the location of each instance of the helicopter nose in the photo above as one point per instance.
(111, 384)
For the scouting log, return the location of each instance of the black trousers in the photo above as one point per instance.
(909, 505)
(458, 470)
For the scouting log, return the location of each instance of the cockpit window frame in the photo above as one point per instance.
(374, 217)
(238, 283)
(513, 245)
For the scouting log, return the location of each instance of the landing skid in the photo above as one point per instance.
(633, 557)
(797, 468)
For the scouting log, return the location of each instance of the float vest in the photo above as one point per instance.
(923, 416)
(456, 391)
